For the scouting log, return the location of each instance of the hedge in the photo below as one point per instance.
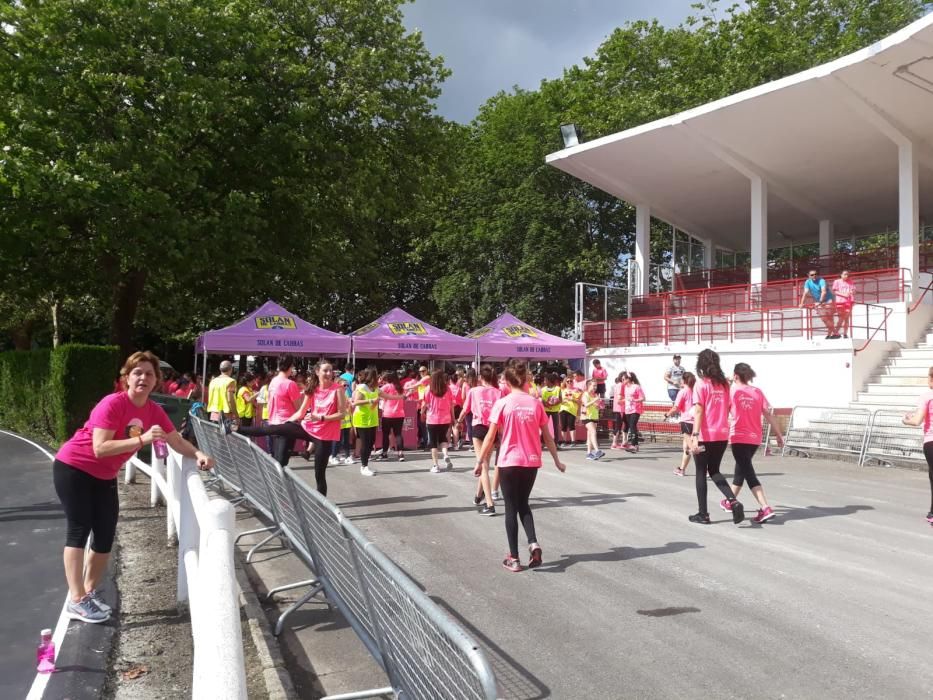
(50, 393)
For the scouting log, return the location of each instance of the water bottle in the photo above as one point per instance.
(45, 652)
(161, 449)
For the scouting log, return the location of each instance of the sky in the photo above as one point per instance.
(493, 45)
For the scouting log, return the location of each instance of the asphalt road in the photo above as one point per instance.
(829, 600)
(32, 527)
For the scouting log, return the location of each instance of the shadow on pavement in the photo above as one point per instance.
(787, 514)
(390, 501)
(514, 682)
(614, 554)
(37, 511)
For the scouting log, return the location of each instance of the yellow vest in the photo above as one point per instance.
(366, 415)
(244, 408)
(549, 392)
(217, 394)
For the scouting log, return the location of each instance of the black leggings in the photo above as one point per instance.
(708, 461)
(342, 444)
(619, 423)
(322, 450)
(516, 484)
(744, 471)
(928, 453)
(283, 438)
(631, 421)
(392, 425)
(555, 423)
(367, 438)
(91, 506)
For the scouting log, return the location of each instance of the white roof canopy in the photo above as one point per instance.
(825, 141)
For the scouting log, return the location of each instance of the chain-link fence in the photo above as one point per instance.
(425, 654)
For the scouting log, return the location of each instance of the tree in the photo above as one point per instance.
(197, 157)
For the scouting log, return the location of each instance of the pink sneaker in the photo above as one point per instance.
(725, 505)
(678, 472)
(764, 514)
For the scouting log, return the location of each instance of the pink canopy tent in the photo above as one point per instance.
(508, 337)
(398, 334)
(273, 330)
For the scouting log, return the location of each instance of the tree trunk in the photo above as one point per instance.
(126, 295)
(55, 333)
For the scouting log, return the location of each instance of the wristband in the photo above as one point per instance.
(694, 435)
(140, 438)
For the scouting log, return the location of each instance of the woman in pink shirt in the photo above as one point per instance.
(634, 405)
(749, 405)
(393, 414)
(599, 375)
(710, 435)
(522, 424)
(683, 404)
(844, 295)
(618, 412)
(924, 416)
(85, 476)
(438, 412)
(479, 402)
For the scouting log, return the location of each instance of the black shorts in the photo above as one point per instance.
(587, 421)
(686, 428)
(480, 431)
(568, 421)
(437, 433)
(457, 411)
(91, 506)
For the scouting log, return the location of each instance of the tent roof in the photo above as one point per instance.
(509, 336)
(398, 334)
(274, 330)
(825, 140)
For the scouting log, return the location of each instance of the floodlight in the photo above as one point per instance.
(571, 135)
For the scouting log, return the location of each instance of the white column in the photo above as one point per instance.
(826, 237)
(642, 246)
(707, 253)
(759, 231)
(908, 219)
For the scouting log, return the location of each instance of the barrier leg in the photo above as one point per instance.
(359, 695)
(255, 547)
(294, 606)
(290, 586)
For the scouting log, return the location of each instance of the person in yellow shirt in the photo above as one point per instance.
(569, 410)
(550, 397)
(221, 394)
(246, 399)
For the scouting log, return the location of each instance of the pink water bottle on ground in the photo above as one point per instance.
(45, 652)
(161, 449)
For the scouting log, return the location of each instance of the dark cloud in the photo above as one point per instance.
(493, 45)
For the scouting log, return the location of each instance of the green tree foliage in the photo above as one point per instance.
(192, 158)
(519, 234)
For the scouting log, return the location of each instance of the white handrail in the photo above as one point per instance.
(206, 580)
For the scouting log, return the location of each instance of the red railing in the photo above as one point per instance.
(874, 287)
(868, 320)
(828, 266)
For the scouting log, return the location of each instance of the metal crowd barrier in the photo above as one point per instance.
(824, 429)
(424, 653)
(890, 441)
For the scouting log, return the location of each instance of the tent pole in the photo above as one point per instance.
(204, 375)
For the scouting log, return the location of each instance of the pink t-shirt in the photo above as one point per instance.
(392, 408)
(617, 394)
(324, 402)
(520, 418)
(634, 399)
(926, 401)
(600, 374)
(714, 399)
(117, 413)
(504, 388)
(684, 404)
(440, 409)
(748, 404)
(456, 388)
(283, 395)
(479, 402)
(844, 292)
(410, 389)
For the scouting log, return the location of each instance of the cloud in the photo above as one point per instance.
(493, 45)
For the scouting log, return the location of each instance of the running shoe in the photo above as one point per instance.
(632, 448)
(930, 517)
(512, 564)
(726, 505)
(401, 458)
(86, 610)
(496, 496)
(589, 456)
(448, 462)
(366, 471)
(332, 462)
(348, 460)
(599, 454)
(488, 510)
(701, 518)
(435, 469)
(738, 512)
(477, 500)
(380, 457)
(764, 514)
(99, 601)
(678, 472)
(535, 560)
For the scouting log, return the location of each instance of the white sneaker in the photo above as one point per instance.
(332, 462)
(366, 471)
(448, 462)
(349, 460)
(435, 469)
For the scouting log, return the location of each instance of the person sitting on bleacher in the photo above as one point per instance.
(817, 288)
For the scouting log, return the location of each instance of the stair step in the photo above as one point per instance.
(899, 380)
(900, 371)
(893, 390)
